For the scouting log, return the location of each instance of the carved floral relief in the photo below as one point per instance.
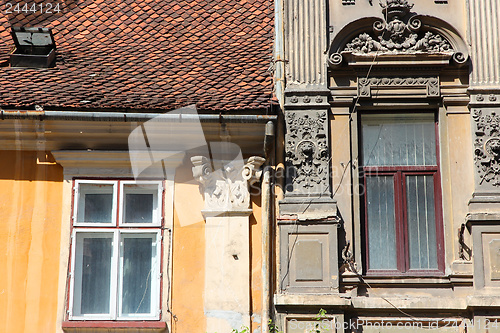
(307, 152)
(398, 33)
(487, 146)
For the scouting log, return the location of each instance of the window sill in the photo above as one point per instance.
(350, 279)
(105, 325)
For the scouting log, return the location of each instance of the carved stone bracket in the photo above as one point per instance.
(487, 146)
(431, 84)
(307, 153)
(226, 189)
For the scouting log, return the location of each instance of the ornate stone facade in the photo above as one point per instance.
(487, 146)
(398, 33)
(307, 153)
(431, 84)
(226, 189)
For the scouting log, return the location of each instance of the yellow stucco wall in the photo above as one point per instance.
(31, 208)
(30, 220)
(256, 263)
(188, 264)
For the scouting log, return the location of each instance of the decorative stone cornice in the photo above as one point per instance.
(430, 84)
(484, 97)
(226, 189)
(307, 98)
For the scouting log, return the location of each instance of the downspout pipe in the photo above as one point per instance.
(267, 219)
(134, 117)
(279, 52)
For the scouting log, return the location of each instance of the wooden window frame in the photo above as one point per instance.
(402, 244)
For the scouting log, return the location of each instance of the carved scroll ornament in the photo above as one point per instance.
(487, 146)
(397, 33)
(226, 189)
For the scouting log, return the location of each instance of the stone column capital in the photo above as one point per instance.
(227, 189)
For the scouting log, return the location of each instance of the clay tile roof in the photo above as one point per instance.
(148, 54)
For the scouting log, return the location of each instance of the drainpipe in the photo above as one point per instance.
(267, 219)
(279, 53)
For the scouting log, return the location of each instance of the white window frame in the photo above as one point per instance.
(155, 275)
(117, 232)
(157, 212)
(74, 292)
(76, 197)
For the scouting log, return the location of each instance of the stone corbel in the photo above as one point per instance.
(201, 169)
(251, 171)
(226, 190)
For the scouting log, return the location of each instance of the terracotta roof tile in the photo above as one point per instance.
(149, 54)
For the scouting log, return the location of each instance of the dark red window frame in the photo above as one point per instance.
(402, 243)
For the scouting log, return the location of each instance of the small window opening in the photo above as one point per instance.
(35, 47)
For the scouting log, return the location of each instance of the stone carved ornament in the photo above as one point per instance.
(226, 189)
(366, 84)
(307, 151)
(397, 33)
(487, 146)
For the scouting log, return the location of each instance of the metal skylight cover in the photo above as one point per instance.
(35, 47)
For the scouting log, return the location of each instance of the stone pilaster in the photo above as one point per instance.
(484, 28)
(307, 192)
(484, 20)
(305, 42)
(307, 155)
(227, 240)
(485, 115)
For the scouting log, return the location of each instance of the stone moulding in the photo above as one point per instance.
(487, 146)
(398, 32)
(431, 84)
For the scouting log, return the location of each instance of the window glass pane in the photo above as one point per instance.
(421, 222)
(95, 203)
(137, 274)
(140, 203)
(381, 222)
(403, 139)
(93, 274)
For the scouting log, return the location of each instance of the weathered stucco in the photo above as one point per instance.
(30, 197)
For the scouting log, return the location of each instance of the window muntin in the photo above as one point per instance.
(402, 199)
(116, 268)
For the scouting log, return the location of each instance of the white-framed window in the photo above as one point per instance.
(116, 250)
